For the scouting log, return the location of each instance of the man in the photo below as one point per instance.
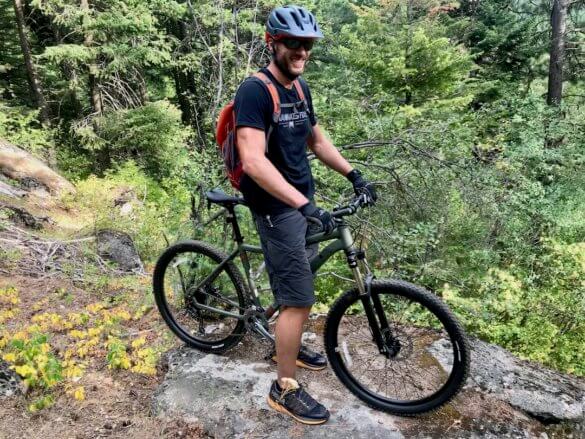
(278, 186)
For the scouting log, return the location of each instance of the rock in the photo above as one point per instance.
(309, 337)
(31, 183)
(119, 248)
(228, 398)
(10, 382)
(544, 394)
(22, 216)
(126, 209)
(123, 196)
(22, 166)
(11, 191)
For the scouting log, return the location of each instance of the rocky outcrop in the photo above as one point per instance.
(504, 397)
(19, 165)
(539, 392)
(11, 191)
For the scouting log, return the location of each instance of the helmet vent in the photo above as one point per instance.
(296, 19)
(281, 19)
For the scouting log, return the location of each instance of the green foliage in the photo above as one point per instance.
(154, 208)
(19, 125)
(415, 62)
(117, 356)
(535, 311)
(34, 362)
(151, 136)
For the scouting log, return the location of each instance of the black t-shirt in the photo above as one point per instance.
(287, 146)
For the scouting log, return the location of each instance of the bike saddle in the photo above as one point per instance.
(220, 197)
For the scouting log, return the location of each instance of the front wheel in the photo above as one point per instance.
(424, 358)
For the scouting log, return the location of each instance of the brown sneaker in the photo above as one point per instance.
(307, 359)
(294, 401)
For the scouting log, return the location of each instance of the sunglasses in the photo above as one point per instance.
(291, 43)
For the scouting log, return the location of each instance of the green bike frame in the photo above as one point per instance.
(341, 240)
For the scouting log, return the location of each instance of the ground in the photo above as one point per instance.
(116, 401)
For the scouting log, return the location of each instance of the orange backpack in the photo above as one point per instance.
(225, 133)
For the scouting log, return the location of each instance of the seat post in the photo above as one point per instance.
(231, 217)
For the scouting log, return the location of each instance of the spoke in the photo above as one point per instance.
(184, 272)
(414, 373)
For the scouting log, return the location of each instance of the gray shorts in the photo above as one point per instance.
(287, 257)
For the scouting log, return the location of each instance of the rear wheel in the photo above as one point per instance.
(180, 295)
(425, 356)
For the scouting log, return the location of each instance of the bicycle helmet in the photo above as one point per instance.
(292, 21)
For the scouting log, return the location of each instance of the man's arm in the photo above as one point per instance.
(251, 146)
(327, 153)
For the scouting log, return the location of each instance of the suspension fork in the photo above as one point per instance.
(375, 314)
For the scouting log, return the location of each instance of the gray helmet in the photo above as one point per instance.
(293, 21)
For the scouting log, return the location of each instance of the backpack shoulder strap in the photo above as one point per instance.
(299, 89)
(273, 94)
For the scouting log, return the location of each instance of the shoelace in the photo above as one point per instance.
(301, 393)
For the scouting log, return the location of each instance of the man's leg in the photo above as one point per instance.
(289, 329)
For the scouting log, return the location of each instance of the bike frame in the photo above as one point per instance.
(341, 240)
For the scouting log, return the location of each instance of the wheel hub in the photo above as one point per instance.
(397, 343)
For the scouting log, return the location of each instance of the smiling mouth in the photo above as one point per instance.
(297, 61)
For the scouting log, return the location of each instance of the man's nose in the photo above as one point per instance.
(301, 51)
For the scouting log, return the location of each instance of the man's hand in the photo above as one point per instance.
(362, 186)
(318, 216)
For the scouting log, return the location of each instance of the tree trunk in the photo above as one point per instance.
(557, 52)
(33, 78)
(93, 81)
(407, 56)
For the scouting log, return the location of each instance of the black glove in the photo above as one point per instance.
(362, 186)
(318, 216)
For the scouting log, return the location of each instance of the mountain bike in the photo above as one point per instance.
(393, 344)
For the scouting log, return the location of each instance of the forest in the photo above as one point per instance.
(469, 117)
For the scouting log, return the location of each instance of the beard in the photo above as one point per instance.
(280, 62)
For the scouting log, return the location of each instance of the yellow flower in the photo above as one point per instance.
(25, 371)
(139, 342)
(94, 307)
(10, 357)
(79, 393)
(93, 332)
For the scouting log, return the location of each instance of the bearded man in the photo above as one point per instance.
(279, 189)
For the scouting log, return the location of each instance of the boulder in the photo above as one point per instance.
(118, 247)
(504, 397)
(539, 392)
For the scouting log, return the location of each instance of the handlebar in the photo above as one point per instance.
(352, 207)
